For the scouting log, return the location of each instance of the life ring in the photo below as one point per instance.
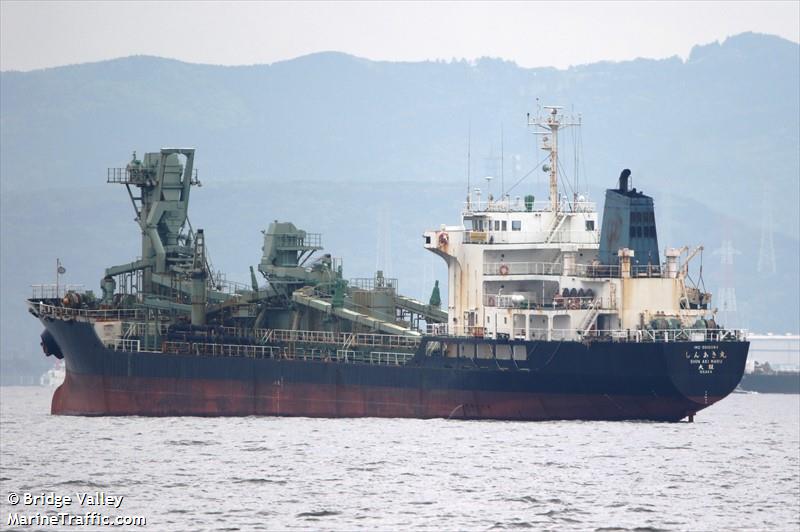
(443, 239)
(491, 301)
(503, 269)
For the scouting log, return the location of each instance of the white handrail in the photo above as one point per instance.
(478, 205)
(43, 309)
(619, 335)
(578, 270)
(531, 237)
(275, 352)
(559, 302)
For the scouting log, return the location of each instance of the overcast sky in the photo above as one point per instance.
(38, 34)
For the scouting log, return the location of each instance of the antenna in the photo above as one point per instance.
(469, 150)
(502, 160)
(576, 155)
(549, 131)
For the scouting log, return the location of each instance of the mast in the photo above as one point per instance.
(469, 164)
(502, 173)
(550, 127)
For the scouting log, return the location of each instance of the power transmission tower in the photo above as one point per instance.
(766, 251)
(727, 291)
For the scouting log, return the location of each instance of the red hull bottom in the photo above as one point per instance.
(89, 395)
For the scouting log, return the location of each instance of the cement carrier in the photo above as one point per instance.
(547, 317)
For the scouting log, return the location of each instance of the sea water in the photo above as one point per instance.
(736, 467)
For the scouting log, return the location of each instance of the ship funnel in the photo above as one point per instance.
(623, 180)
(629, 221)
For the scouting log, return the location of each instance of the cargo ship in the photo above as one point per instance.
(764, 379)
(773, 365)
(547, 317)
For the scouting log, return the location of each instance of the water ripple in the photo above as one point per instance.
(388, 474)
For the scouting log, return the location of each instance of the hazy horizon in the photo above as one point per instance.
(37, 35)
(474, 60)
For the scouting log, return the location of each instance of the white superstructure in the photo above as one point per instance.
(54, 376)
(530, 270)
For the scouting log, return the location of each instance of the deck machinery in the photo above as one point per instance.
(175, 277)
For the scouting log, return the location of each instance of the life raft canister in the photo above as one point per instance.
(503, 269)
(443, 239)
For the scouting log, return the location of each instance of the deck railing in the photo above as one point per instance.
(523, 302)
(137, 176)
(523, 268)
(53, 291)
(531, 237)
(505, 269)
(65, 313)
(125, 344)
(385, 358)
(617, 335)
(329, 337)
(133, 329)
(135, 324)
(230, 288)
(478, 205)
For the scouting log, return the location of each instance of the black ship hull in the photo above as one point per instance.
(556, 380)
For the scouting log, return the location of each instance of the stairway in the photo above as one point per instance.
(591, 317)
(558, 221)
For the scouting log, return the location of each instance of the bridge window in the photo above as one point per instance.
(590, 225)
(516, 225)
(503, 226)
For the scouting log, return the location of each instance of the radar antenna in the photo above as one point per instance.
(549, 128)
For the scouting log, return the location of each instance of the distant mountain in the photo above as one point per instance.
(334, 141)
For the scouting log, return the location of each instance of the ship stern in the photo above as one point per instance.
(705, 372)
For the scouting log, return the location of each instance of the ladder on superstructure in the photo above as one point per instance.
(558, 221)
(591, 317)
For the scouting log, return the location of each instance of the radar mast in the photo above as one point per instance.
(549, 132)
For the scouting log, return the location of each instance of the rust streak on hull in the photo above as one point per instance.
(120, 396)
